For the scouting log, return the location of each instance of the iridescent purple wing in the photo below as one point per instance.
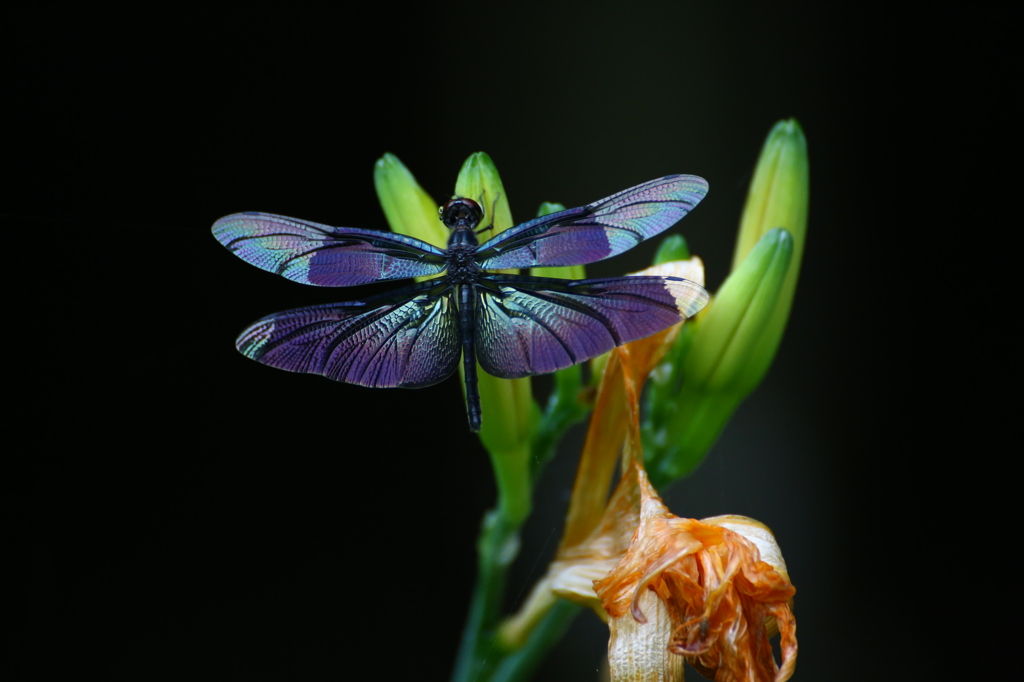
(596, 231)
(535, 325)
(323, 255)
(405, 338)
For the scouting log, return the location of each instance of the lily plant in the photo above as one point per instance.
(710, 592)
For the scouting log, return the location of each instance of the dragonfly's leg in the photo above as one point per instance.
(490, 214)
(467, 325)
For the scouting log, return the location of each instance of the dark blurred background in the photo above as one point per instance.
(181, 512)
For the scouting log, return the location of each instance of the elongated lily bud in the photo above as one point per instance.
(727, 351)
(479, 180)
(407, 207)
(778, 197)
(716, 366)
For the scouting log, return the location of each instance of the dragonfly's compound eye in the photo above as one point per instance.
(461, 213)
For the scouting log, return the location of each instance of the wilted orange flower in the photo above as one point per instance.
(719, 588)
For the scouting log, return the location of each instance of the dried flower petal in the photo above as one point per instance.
(723, 599)
(639, 651)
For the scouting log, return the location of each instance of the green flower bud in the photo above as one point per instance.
(727, 342)
(720, 365)
(778, 197)
(671, 248)
(479, 180)
(407, 207)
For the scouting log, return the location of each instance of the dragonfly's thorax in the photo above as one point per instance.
(462, 267)
(462, 216)
(462, 238)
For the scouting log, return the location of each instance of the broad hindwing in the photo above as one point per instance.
(596, 231)
(323, 255)
(534, 325)
(406, 338)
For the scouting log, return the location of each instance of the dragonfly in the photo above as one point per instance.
(513, 325)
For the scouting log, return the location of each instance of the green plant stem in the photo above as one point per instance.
(496, 549)
(480, 657)
(564, 409)
(521, 663)
(512, 477)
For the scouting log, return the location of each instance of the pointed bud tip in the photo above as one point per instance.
(788, 128)
(788, 125)
(479, 180)
(672, 248)
(479, 162)
(388, 160)
(778, 237)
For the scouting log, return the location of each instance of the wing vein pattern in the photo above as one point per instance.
(538, 325)
(407, 338)
(310, 253)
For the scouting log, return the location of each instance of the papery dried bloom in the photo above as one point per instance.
(720, 582)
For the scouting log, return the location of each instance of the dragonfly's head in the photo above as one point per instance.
(461, 214)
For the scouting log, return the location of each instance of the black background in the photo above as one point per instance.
(183, 513)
